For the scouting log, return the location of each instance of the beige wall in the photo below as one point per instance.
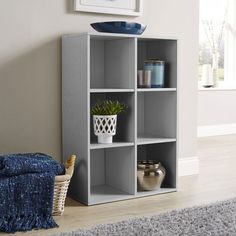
(30, 69)
(216, 107)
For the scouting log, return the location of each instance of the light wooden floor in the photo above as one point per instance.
(217, 181)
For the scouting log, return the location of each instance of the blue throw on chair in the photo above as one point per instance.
(26, 191)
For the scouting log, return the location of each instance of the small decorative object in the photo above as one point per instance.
(150, 175)
(140, 79)
(157, 68)
(144, 79)
(207, 76)
(147, 78)
(105, 119)
(120, 27)
(117, 7)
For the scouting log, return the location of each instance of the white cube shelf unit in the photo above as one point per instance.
(98, 66)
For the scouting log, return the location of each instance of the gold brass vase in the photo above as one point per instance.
(150, 175)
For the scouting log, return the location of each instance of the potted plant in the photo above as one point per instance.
(105, 119)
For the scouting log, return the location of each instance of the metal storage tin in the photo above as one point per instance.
(157, 67)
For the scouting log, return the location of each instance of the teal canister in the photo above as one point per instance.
(157, 68)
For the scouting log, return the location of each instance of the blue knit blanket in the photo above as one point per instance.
(26, 191)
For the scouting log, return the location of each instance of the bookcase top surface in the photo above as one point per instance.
(113, 35)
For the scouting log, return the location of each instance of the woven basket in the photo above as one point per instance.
(61, 186)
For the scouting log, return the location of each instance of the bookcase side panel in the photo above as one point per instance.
(75, 131)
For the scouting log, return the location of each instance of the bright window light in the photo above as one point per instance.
(217, 43)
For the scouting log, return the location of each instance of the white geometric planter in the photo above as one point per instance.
(104, 127)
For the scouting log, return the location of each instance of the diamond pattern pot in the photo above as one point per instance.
(104, 127)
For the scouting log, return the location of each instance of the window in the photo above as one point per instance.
(217, 43)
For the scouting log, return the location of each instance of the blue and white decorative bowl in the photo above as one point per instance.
(119, 27)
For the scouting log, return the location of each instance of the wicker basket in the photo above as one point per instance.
(61, 186)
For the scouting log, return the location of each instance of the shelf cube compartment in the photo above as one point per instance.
(112, 174)
(164, 153)
(125, 121)
(112, 63)
(156, 113)
(164, 50)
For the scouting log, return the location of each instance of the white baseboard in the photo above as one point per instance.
(214, 130)
(188, 166)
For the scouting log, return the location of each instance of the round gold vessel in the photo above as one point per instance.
(150, 175)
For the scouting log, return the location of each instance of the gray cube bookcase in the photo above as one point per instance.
(97, 66)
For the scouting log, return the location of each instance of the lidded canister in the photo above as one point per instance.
(157, 68)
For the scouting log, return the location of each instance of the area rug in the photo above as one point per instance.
(218, 219)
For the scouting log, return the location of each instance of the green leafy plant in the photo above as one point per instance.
(108, 107)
